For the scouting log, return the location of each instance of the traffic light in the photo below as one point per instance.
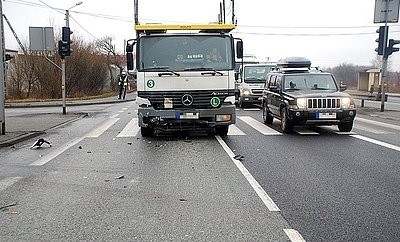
(64, 45)
(390, 49)
(8, 57)
(382, 40)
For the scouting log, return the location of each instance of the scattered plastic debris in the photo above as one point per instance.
(38, 143)
(129, 143)
(80, 147)
(119, 177)
(183, 200)
(238, 157)
(8, 205)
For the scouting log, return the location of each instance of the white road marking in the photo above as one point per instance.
(385, 125)
(9, 181)
(260, 127)
(269, 203)
(131, 129)
(46, 158)
(304, 131)
(234, 130)
(371, 130)
(102, 128)
(251, 109)
(377, 142)
(96, 132)
(294, 235)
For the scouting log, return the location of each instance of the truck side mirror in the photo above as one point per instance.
(274, 89)
(129, 45)
(239, 49)
(237, 75)
(129, 61)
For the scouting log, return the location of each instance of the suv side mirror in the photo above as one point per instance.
(342, 87)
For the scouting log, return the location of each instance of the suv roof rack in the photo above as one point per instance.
(294, 62)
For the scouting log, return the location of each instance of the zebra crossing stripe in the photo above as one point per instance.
(131, 129)
(260, 127)
(7, 182)
(234, 130)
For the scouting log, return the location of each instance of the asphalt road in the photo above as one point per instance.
(101, 180)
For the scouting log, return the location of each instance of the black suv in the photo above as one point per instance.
(297, 95)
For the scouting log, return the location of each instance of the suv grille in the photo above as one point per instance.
(201, 99)
(320, 103)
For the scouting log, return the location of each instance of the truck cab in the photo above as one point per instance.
(185, 78)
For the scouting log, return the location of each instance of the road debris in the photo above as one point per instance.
(38, 143)
(238, 157)
(8, 205)
(119, 177)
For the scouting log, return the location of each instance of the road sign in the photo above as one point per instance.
(41, 38)
(391, 7)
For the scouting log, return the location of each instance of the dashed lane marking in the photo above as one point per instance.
(234, 130)
(269, 203)
(377, 142)
(294, 235)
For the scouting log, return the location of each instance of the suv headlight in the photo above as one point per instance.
(301, 103)
(346, 102)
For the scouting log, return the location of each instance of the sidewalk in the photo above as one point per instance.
(24, 126)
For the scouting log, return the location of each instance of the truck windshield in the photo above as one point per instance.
(256, 73)
(185, 52)
(309, 82)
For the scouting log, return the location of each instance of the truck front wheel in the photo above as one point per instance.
(222, 130)
(146, 132)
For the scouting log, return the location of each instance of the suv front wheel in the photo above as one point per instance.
(345, 127)
(267, 117)
(286, 125)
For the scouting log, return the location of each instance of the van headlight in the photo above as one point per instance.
(301, 103)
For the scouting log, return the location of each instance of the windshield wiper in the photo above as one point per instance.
(211, 71)
(162, 68)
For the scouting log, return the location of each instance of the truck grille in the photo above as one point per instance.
(321, 103)
(201, 99)
(257, 91)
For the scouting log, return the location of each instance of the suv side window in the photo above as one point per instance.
(271, 81)
(278, 82)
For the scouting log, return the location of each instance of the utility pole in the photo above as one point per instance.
(2, 81)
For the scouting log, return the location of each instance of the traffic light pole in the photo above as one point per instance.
(64, 107)
(2, 81)
(384, 60)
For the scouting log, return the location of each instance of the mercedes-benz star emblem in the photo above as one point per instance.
(187, 99)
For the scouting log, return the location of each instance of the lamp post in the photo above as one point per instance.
(2, 80)
(64, 108)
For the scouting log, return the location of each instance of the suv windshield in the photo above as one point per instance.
(256, 73)
(185, 53)
(309, 82)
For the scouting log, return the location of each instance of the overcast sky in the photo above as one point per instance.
(328, 32)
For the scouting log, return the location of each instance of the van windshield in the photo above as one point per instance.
(256, 74)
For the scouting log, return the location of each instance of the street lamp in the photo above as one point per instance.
(64, 108)
(67, 13)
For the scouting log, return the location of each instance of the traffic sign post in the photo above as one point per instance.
(386, 11)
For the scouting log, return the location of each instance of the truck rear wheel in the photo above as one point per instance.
(146, 132)
(222, 130)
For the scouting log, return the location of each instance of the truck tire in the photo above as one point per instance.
(345, 127)
(286, 125)
(267, 117)
(222, 130)
(146, 132)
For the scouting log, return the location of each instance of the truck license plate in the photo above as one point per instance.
(326, 115)
(187, 115)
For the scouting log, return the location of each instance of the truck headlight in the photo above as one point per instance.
(301, 103)
(246, 92)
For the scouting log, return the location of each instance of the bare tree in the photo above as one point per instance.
(106, 47)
